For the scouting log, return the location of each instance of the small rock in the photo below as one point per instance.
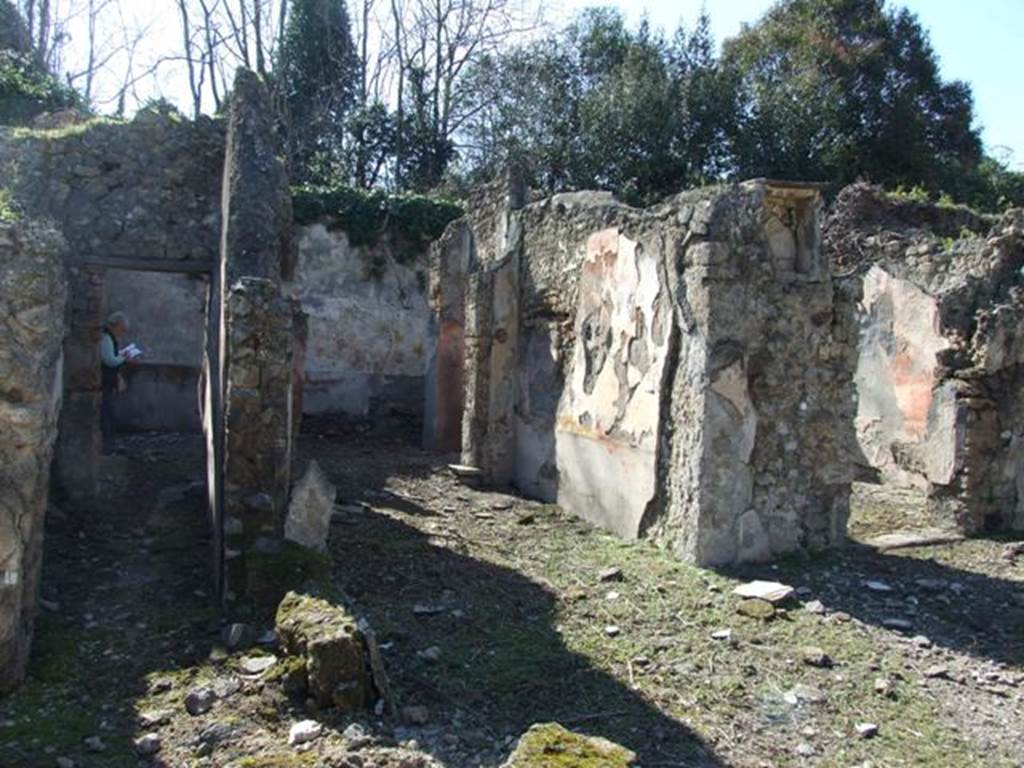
(154, 718)
(756, 608)
(815, 657)
(867, 730)
(431, 654)
(902, 625)
(612, 596)
(840, 617)
(815, 607)
(304, 731)
(772, 591)
(226, 686)
(611, 574)
(416, 715)
(803, 694)
(257, 665)
(877, 586)
(612, 630)
(95, 744)
(938, 670)
(921, 641)
(423, 609)
(354, 732)
(722, 634)
(200, 700)
(882, 686)
(147, 745)
(805, 750)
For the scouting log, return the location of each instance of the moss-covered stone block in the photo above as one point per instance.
(328, 637)
(549, 745)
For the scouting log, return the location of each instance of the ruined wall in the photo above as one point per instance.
(940, 357)
(678, 372)
(139, 195)
(167, 313)
(368, 316)
(33, 294)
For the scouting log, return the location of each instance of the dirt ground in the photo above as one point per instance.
(495, 613)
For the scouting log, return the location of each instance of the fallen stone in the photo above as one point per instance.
(805, 750)
(815, 607)
(95, 744)
(611, 574)
(431, 654)
(416, 714)
(937, 670)
(337, 665)
(722, 634)
(198, 701)
(902, 625)
(612, 630)
(882, 686)
(803, 694)
(921, 641)
(925, 537)
(309, 512)
(546, 743)
(257, 665)
(867, 730)
(304, 731)
(813, 656)
(877, 586)
(756, 608)
(354, 732)
(147, 745)
(154, 718)
(772, 591)
(223, 687)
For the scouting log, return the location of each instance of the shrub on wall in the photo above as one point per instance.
(414, 221)
(26, 90)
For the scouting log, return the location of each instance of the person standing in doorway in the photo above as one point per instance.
(112, 361)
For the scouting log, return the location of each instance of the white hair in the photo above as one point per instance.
(117, 318)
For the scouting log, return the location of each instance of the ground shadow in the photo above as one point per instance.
(503, 664)
(125, 595)
(962, 610)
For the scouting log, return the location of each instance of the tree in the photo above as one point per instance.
(318, 73)
(833, 90)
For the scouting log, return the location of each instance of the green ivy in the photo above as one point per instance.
(8, 211)
(413, 221)
(26, 90)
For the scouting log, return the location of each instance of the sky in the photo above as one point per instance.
(979, 42)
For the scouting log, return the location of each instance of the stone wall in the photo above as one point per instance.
(367, 308)
(33, 292)
(940, 361)
(679, 372)
(139, 195)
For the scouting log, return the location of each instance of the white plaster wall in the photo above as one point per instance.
(367, 334)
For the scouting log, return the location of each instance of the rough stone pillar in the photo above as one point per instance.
(258, 421)
(76, 465)
(500, 453)
(476, 399)
(442, 414)
(251, 432)
(33, 295)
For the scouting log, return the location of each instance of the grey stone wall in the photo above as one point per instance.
(940, 356)
(140, 195)
(680, 372)
(33, 290)
(367, 308)
(257, 422)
